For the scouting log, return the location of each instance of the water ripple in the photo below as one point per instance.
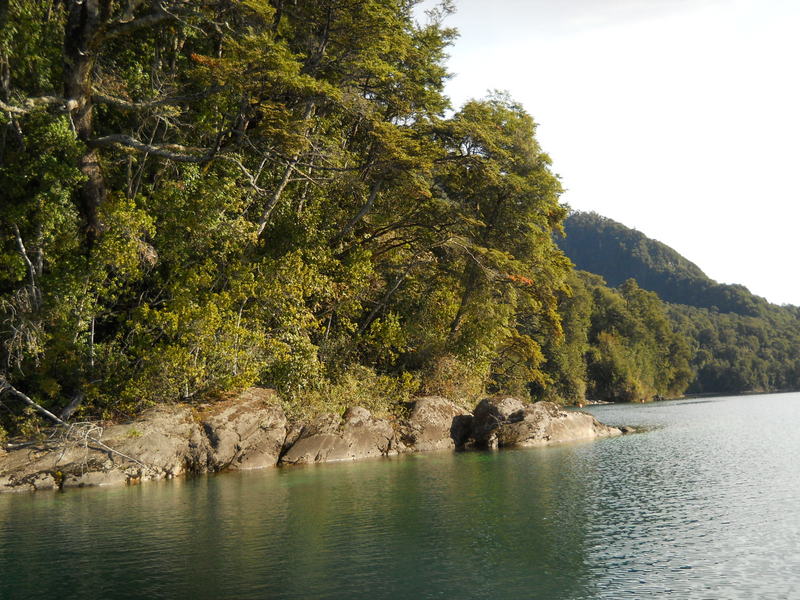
(703, 505)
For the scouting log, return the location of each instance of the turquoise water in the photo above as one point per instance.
(703, 505)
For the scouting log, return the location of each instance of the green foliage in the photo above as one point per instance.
(31, 35)
(383, 395)
(618, 345)
(635, 354)
(736, 353)
(566, 368)
(733, 341)
(600, 245)
(286, 201)
(278, 201)
(455, 378)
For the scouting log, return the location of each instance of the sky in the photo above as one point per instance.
(679, 118)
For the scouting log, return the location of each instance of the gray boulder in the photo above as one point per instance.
(250, 431)
(244, 432)
(508, 422)
(329, 438)
(435, 423)
(157, 441)
(490, 414)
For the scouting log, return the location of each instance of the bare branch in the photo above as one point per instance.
(161, 12)
(174, 152)
(384, 301)
(12, 109)
(276, 196)
(30, 103)
(31, 268)
(361, 213)
(291, 164)
(6, 387)
(124, 28)
(251, 179)
(100, 98)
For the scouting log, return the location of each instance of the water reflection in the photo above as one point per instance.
(703, 505)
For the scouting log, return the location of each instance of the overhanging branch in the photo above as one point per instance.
(30, 103)
(174, 152)
(100, 98)
(161, 11)
(124, 28)
(6, 387)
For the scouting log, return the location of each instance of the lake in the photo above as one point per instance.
(704, 504)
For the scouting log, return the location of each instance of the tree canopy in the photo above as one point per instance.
(199, 196)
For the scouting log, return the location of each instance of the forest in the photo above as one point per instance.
(200, 196)
(739, 342)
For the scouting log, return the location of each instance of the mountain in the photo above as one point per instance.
(616, 252)
(740, 342)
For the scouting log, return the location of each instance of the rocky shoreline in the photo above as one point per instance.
(251, 431)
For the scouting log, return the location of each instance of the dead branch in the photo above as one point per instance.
(158, 16)
(31, 268)
(174, 152)
(29, 104)
(361, 213)
(100, 98)
(6, 387)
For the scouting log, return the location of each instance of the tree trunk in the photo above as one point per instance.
(376, 187)
(470, 281)
(83, 19)
(472, 274)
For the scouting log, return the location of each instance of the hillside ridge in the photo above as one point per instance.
(616, 252)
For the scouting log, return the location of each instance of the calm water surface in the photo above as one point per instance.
(706, 504)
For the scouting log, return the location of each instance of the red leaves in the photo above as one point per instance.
(521, 279)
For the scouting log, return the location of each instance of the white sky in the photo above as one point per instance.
(680, 118)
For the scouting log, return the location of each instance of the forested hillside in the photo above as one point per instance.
(198, 196)
(600, 245)
(739, 341)
(618, 345)
(203, 195)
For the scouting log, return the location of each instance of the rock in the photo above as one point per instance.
(95, 478)
(26, 469)
(245, 432)
(328, 438)
(44, 481)
(435, 423)
(626, 429)
(293, 431)
(49, 466)
(242, 432)
(159, 439)
(507, 422)
(250, 431)
(490, 414)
